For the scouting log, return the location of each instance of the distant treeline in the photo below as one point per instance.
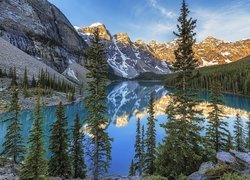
(44, 80)
(234, 77)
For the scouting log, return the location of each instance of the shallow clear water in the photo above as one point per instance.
(127, 101)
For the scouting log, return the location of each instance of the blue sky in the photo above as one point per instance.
(228, 20)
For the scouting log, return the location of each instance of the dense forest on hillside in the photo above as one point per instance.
(234, 77)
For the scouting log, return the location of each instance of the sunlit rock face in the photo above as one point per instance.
(127, 59)
(210, 51)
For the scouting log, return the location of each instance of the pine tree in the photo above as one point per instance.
(138, 149)
(25, 83)
(96, 105)
(150, 139)
(33, 82)
(229, 144)
(35, 164)
(248, 133)
(238, 134)
(132, 169)
(217, 133)
(59, 162)
(13, 146)
(79, 167)
(143, 148)
(184, 120)
(14, 78)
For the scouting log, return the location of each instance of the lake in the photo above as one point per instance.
(127, 101)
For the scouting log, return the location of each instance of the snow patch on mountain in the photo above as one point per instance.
(72, 74)
(96, 24)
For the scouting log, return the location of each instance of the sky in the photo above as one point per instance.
(228, 20)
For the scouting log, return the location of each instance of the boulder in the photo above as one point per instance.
(197, 176)
(206, 166)
(242, 157)
(226, 158)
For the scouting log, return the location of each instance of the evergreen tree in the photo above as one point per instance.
(33, 82)
(248, 133)
(238, 134)
(35, 164)
(229, 144)
(150, 139)
(25, 83)
(96, 105)
(143, 148)
(217, 128)
(59, 162)
(14, 78)
(132, 169)
(79, 167)
(13, 146)
(184, 120)
(138, 149)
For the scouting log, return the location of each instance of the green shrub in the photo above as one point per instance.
(219, 171)
(234, 176)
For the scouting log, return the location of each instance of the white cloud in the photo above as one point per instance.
(163, 10)
(230, 23)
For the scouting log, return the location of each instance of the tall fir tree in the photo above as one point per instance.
(150, 139)
(79, 166)
(229, 144)
(13, 145)
(35, 164)
(143, 148)
(238, 133)
(217, 129)
(13, 78)
(248, 133)
(25, 84)
(184, 120)
(59, 162)
(138, 148)
(96, 104)
(132, 169)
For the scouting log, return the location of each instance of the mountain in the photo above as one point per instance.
(11, 56)
(127, 59)
(234, 77)
(41, 30)
(210, 51)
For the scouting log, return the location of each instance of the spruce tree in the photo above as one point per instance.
(33, 82)
(35, 164)
(25, 84)
(143, 148)
(217, 131)
(138, 149)
(229, 144)
(79, 167)
(59, 162)
(13, 146)
(96, 104)
(238, 134)
(150, 139)
(13, 78)
(132, 169)
(248, 134)
(181, 151)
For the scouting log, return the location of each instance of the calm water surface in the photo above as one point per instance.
(127, 101)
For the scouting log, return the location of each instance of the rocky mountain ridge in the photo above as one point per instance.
(40, 29)
(210, 51)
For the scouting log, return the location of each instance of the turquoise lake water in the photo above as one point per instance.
(127, 100)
